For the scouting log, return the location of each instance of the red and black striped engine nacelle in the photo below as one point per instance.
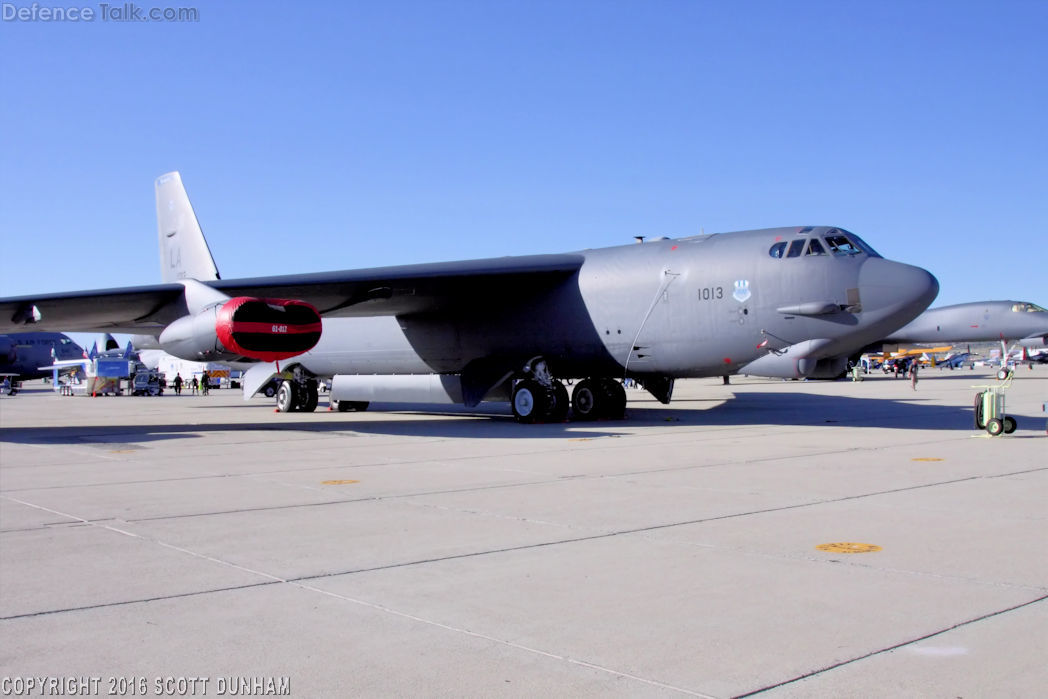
(264, 329)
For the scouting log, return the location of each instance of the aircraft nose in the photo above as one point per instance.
(894, 292)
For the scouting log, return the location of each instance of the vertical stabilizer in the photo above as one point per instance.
(183, 251)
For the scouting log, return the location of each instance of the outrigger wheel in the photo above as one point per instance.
(347, 406)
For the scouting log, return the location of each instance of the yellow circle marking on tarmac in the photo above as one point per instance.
(848, 547)
(927, 458)
(338, 482)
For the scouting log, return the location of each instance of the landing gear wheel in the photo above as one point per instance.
(614, 404)
(270, 391)
(348, 406)
(994, 426)
(585, 400)
(1002, 374)
(561, 403)
(309, 398)
(286, 398)
(1009, 424)
(529, 401)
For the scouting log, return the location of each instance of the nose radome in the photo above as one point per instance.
(900, 290)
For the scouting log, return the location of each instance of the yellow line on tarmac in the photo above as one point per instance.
(848, 547)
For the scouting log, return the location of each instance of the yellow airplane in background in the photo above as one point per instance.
(924, 354)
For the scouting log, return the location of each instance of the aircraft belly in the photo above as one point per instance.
(553, 325)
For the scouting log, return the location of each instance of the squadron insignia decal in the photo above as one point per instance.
(742, 290)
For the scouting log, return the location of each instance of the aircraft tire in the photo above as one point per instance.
(286, 398)
(529, 402)
(614, 399)
(994, 426)
(586, 400)
(310, 397)
(270, 391)
(349, 406)
(560, 403)
(1009, 424)
(1002, 374)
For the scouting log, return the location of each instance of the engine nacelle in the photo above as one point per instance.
(265, 329)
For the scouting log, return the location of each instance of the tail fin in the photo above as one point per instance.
(183, 251)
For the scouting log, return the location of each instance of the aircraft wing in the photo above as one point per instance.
(425, 288)
(65, 364)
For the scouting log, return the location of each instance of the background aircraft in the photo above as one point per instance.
(776, 302)
(955, 361)
(981, 321)
(26, 356)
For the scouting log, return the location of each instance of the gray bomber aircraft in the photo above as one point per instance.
(980, 321)
(784, 302)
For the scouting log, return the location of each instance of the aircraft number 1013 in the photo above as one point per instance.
(710, 293)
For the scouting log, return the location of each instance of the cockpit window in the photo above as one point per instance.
(843, 243)
(840, 245)
(1027, 308)
(863, 245)
(836, 241)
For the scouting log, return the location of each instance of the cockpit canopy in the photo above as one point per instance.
(835, 242)
(1023, 307)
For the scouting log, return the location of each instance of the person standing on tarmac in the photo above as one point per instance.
(913, 374)
(205, 383)
(178, 384)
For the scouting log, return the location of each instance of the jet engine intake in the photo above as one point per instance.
(264, 329)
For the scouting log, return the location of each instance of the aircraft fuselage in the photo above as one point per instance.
(981, 321)
(702, 306)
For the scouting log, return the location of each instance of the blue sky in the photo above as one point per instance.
(329, 136)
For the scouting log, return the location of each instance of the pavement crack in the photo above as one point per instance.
(896, 646)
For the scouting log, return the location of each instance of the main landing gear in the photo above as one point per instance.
(598, 398)
(297, 394)
(541, 398)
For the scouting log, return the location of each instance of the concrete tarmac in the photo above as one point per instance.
(189, 545)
